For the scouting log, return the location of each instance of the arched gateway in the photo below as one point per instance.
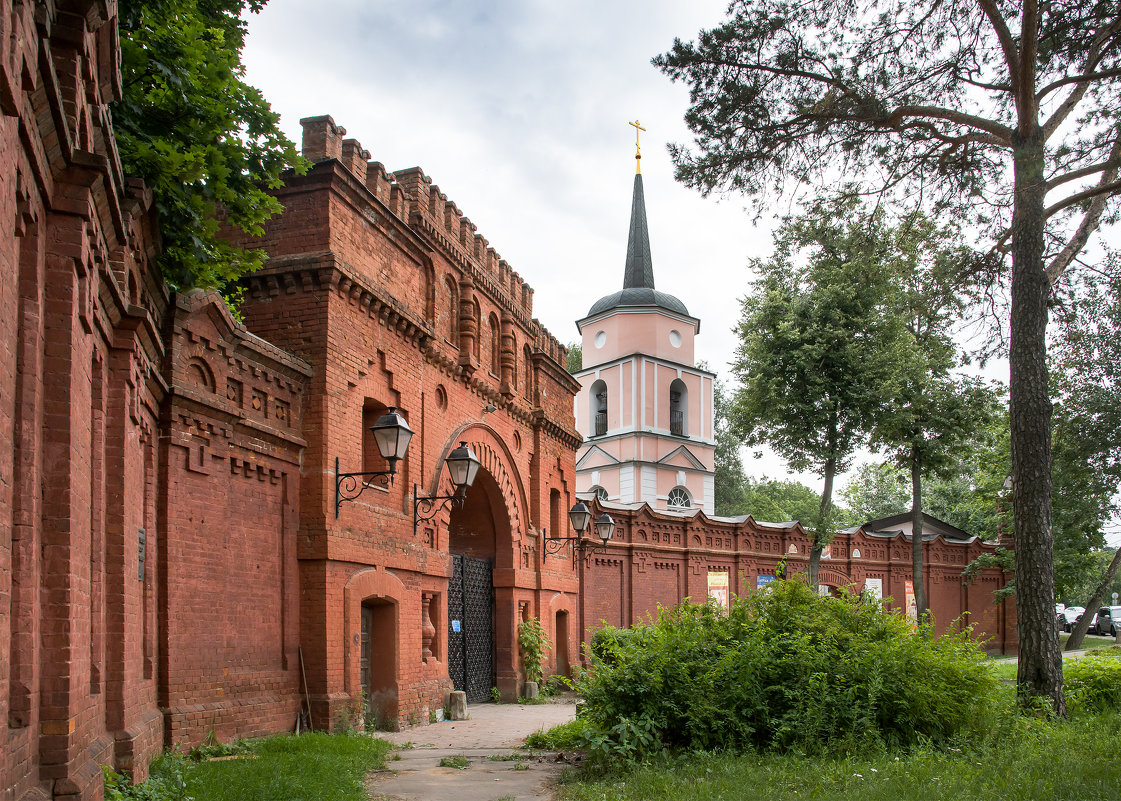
(484, 539)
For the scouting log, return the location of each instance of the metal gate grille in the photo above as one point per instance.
(470, 610)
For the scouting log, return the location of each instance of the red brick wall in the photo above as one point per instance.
(658, 560)
(231, 475)
(79, 400)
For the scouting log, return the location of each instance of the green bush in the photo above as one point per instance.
(565, 737)
(1093, 682)
(782, 670)
(533, 642)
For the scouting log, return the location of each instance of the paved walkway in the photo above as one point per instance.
(489, 740)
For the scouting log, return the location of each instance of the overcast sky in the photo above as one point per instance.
(518, 111)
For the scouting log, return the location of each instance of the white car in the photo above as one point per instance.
(1069, 616)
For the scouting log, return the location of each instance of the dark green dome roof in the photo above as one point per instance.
(638, 296)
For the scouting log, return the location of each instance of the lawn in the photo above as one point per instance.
(1039, 761)
(309, 767)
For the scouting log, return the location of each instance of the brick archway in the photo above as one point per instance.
(496, 459)
(833, 578)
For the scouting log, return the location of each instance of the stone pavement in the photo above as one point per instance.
(489, 740)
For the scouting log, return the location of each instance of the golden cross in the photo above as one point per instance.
(637, 149)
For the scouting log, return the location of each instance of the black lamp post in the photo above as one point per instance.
(392, 435)
(580, 516)
(463, 466)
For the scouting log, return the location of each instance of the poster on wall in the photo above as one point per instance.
(718, 588)
(874, 587)
(912, 609)
(762, 580)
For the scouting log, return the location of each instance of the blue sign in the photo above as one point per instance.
(762, 580)
(455, 625)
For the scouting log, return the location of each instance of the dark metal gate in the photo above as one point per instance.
(471, 627)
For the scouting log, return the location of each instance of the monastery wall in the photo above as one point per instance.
(658, 560)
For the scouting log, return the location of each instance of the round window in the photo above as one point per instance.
(601, 339)
(675, 338)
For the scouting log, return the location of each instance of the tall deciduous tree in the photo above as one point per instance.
(1007, 110)
(876, 490)
(207, 143)
(729, 480)
(935, 413)
(816, 352)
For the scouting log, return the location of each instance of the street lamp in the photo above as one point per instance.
(463, 466)
(580, 516)
(392, 435)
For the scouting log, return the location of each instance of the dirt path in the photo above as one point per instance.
(488, 741)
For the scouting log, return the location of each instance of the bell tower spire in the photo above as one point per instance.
(638, 272)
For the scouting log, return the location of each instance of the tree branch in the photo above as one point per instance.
(1082, 86)
(1074, 175)
(1104, 187)
(1007, 43)
(1090, 219)
(1088, 76)
(1001, 132)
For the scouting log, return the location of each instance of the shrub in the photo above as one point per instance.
(1093, 682)
(782, 670)
(565, 737)
(533, 642)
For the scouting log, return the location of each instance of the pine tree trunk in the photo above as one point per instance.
(1079, 632)
(916, 538)
(1040, 670)
(823, 529)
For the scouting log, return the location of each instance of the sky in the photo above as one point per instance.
(518, 110)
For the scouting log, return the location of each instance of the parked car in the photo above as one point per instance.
(1069, 616)
(1108, 619)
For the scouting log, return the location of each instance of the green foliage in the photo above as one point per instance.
(575, 362)
(817, 355)
(533, 642)
(205, 142)
(729, 493)
(784, 670)
(1093, 682)
(312, 765)
(167, 785)
(876, 490)
(456, 761)
(776, 501)
(351, 715)
(565, 737)
(496, 695)
(211, 748)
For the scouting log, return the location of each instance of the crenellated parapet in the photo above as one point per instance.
(411, 196)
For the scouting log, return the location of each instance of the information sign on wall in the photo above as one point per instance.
(718, 588)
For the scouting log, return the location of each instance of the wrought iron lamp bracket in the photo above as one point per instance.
(432, 505)
(349, 486)
(584, 548)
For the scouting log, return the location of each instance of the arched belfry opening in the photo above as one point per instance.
(479, 539)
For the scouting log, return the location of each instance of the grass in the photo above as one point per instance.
(457, 761)
(310, 767)
(1028, 760)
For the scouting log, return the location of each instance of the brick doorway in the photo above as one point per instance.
(378, 664)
